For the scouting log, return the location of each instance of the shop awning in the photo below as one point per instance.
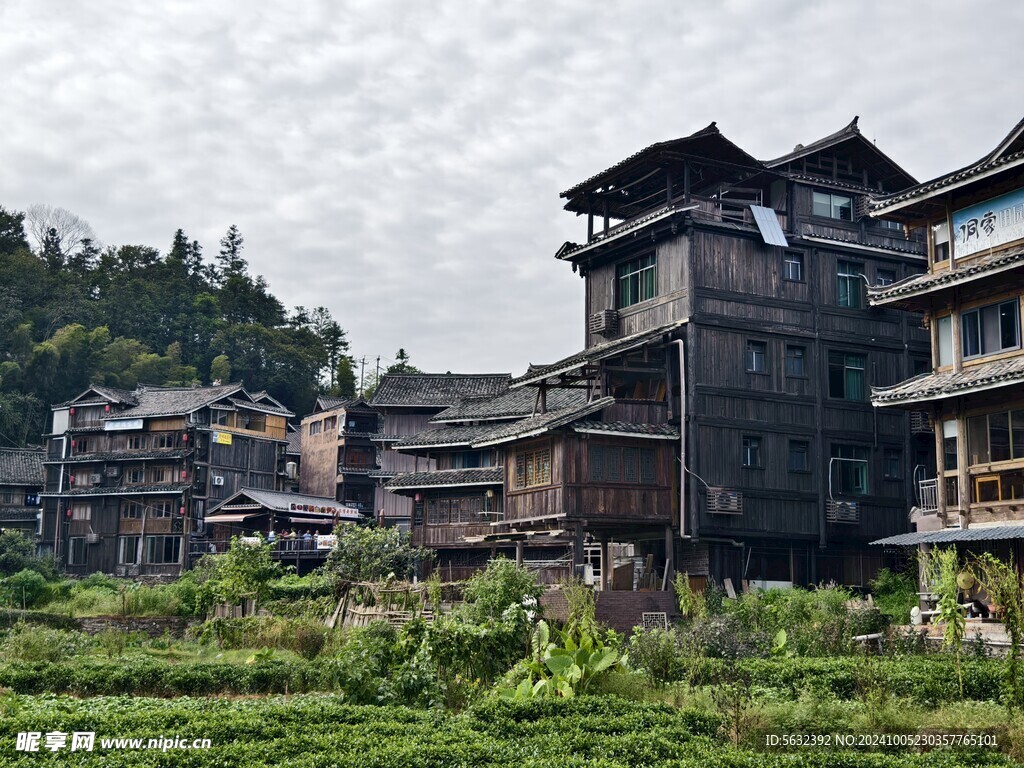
(954, 535)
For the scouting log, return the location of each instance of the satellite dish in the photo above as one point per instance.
(964, 580)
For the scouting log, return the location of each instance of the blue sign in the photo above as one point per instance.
(985, 226)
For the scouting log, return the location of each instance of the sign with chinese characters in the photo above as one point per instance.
(118, 425)
(222, 438)
(987, 225)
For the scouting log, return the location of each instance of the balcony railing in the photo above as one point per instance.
(928, 495)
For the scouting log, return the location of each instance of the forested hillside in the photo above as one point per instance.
(73, 314)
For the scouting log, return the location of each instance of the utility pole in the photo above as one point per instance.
(378, 368)
(362, 367)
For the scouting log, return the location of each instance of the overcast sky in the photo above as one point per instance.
(400, 162)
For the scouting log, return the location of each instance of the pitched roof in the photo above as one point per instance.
(447, 436)
(849, 132)
(435, 390)
(935, 386)
(513, 404)
(447, 477)
(541, 423)
(281, 501)
(21, 467)
(1009, 152)
(919, 285)
(601, 351)
(328, 403)
(148, 402)
(949, 535)
(122, 490)
(294, 442)
(655, 431)
(84, 458)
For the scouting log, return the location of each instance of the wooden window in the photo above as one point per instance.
(892, 464)
(751, 451)
(81, 511)
(944, 331)
(949, 439)
(77, 551)
(846, 376)
(533, 468)
(757, 357)
(160, 474)
(163, 440)
(833, 206)
(127, 550)
(163, 550)
(330, 423)
(994, 437)
(793, 266)
(885, 276)
(622, 464)
(940, 242)
(316, 427)
(7, 497)
(849, 470)
(850, 285)
(135, 476)
(637, 280)
(796, 361)
(896, 226)
(161, 508)
(799, 456)
(136, 442)
(992, 329)
(130, 509)
(222, 418)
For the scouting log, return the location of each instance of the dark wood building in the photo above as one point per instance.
(726, 297)
(972, 394)
(406, 403)
(21, 481)
(130, 476)
(338, 457)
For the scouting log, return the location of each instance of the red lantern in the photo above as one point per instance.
(69, 512)
(184, 474)
(71, 479)
(184, 438)
(72, 411)
(181, 511)
(106, 409)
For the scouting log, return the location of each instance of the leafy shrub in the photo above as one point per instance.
(302, 636)
(25, 589)
(370, 553)
(895, 593)
(501, 584)
(30, 643)
(657, 653)
(18, 552)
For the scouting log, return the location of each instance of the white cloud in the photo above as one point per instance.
(400, 162)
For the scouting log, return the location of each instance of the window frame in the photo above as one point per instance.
(846, 368)
(802, 357)
(527, 463)
(644, 269)
(751, 448)
(150, 546)
(979, 326)
(789, 258)
(795, 443)
(121, 542)
(832, 206)
(848, 461)
(855, 278)
(891, 276)
(888, 454)
(79, 545)
(754, 350)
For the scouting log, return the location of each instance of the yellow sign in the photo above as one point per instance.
(222, 438)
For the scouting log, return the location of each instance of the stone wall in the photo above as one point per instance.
(155, 626)
(620, 610)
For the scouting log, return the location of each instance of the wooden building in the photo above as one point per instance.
(972, 395)
(406, 403)
(130, 476)
(338, 457)
(21, 481)
(725, 297)
(293, 460)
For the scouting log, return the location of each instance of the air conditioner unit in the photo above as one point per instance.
(724, 501)
(605, 322)
(217, 480)
(92, 538)
(95, 478)
(112, 470)
(842, 511)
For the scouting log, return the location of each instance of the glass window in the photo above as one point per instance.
(751, 451)
(799, 456)
(995, 437)
(127, 550)
(991, 329)
(833, 206)
(885, 276)
(890, 224)
(796, 358)
(945, 333)
(81, 512)
(892, 464)
(793, 266)
(940, 241)
(533, 468)
(163, 550)
(850, 285)
(949, 451)
(77, 550)
(637, 280)
(846, 376)
(849, 470)
(757, 353)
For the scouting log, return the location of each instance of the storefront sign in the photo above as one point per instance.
(987, 225)
(117, 425)
(222, 438)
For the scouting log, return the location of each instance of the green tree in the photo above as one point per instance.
(402, 364)
(245, 570)
(17, 553)
(371, 553)
(230, 261)
(220, 370)
(12, 231)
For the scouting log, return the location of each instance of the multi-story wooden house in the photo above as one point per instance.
(726, 297)
(131, 475)
(21, 480)
(338, 457)
(406, 403)
(973, 391)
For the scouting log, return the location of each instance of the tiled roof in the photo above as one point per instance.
(21, 467)
(328, 403)
(435, 390)
(918, 285)
(544, 422)
(929, 188)
(82, 458)
(898, 245)
(949, 535)
(516, 403)
(458, 434)
(261, 407)
(663, 431)
(148, 402)
(935, 386)
(448, 477)
(281, 501)
(121, 490)
(593, 354)
(13, 514)
(294, 443)
(569, 249)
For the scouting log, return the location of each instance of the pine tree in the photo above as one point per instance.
(230, 261)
